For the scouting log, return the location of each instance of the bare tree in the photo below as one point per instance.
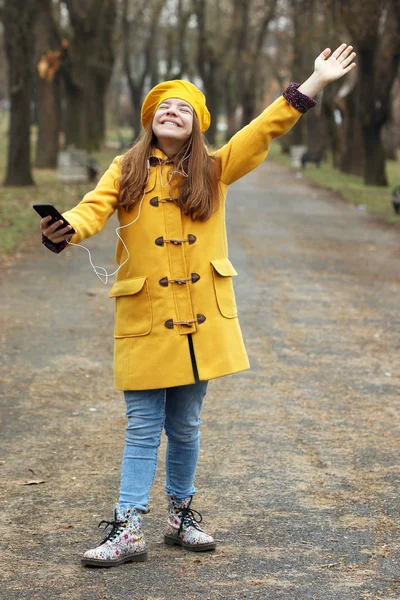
(140, 24)
(209, 58)
(18, 18)
(374, 26)
(88, 70)
(49, 54)
(251, 24)
(178, 54)
(231, 51)
(3, 71)
(303, 15)
(391, 131)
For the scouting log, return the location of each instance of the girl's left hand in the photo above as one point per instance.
(332, 67)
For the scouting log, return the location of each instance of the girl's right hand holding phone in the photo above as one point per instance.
(51, 232)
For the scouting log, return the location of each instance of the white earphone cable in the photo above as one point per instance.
(101, 272)
(169, 178)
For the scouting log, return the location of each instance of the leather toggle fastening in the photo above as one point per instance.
(164, 281)
(171, 323)
(160, 241)
(156, 201)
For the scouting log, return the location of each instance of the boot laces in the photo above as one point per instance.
(117, 527)
(187, 518)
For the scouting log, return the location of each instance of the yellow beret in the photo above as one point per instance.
(177, 88)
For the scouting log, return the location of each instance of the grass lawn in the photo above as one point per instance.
(377, 200)
(18, 221)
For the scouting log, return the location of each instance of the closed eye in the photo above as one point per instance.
(182, 108)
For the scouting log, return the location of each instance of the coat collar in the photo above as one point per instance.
(158, 156)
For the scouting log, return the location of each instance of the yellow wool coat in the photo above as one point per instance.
(178, 280)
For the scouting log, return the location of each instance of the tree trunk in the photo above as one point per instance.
(249, 83)
(19, 164)
(208, 64)
(211, 86)
(182, 30)
(390, 140)
(328, 119)
(85, 111)
(375, 31)
(48, 116)
(85, 91)
(249, 100)
(303, 16)
(137, 106)
(352, 156)
(76, 128)
(372, 117)
(230, 107)
(374, 169)
(95, 94)
(19, 45)
(135, 90)
(147, 67)
(88, 71)
(48, 56)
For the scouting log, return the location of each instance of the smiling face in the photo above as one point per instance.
(173, 122)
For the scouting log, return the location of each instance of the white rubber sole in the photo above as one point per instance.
(96, 562)
(170, 540)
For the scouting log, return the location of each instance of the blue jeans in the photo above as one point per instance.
(149, 411)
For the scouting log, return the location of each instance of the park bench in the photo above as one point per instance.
(313, 156)
(74, 166)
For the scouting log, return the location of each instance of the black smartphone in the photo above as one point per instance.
(46, 210)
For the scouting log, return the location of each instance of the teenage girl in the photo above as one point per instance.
(176, 323)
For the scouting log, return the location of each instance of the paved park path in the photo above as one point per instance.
(299, 472)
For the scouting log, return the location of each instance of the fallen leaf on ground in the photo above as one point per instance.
(29, 481)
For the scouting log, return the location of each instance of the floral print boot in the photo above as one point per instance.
(124, 543)
(184, 529)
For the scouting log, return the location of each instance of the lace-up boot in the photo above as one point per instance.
(124, 543)
(184, 528)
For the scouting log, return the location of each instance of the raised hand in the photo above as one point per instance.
(327, 68)
(331, 67)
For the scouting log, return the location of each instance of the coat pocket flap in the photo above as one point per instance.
(224, 267)
(127, 287)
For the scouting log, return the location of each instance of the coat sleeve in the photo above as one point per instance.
(92, 213)
(249, 147)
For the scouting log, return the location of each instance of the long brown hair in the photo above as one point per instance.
(196, 195)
